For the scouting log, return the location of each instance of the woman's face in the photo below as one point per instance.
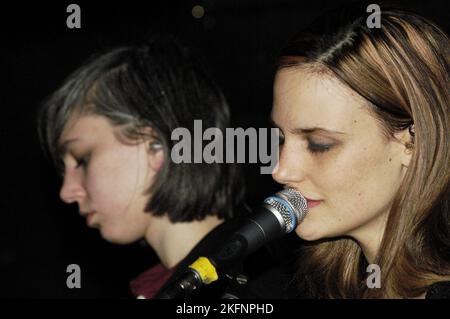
(108, 178)
(334, 152)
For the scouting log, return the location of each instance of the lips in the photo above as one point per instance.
(85, 214)
(88, 216)
(310, 202)
(313, 203)
(89, 219)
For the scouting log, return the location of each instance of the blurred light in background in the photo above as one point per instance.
(198, 12)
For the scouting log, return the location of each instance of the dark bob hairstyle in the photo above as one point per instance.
(159, 85)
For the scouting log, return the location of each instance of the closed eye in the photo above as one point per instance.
(314, 148)
(82, 162)
(318, 148)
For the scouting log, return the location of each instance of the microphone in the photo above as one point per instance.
(279, 215)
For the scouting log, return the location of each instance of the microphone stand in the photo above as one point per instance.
(202, 271)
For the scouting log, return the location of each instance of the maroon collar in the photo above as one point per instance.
(147, 284)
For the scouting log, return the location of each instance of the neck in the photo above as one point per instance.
(173, 241)
(369, 237)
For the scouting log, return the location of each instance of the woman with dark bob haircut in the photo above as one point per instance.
(108, 129)
(364, 118)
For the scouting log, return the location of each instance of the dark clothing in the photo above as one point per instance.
(439, 290)
(205, 247)
(279, 283)
(261, 276)
(227, 286)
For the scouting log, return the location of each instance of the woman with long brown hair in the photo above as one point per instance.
(364, 121)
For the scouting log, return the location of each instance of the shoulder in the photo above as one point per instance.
(439, 290)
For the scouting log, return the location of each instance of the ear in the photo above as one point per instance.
(156, 155)
(406, 144)
(155, 149)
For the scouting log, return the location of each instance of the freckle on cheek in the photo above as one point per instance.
(390, 159)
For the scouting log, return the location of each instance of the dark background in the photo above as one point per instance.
(39, 235)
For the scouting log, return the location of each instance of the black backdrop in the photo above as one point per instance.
(39, 235)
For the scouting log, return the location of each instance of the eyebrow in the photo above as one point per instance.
(314, 129)
(61, 149)
(307, 130)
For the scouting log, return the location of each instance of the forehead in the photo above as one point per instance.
(88, 125)
(85, 128)
(308, 99)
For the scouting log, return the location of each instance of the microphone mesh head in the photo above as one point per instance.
(291, 206)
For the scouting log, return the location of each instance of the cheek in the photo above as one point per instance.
(119, 205)
(112, 184)
(362, 180)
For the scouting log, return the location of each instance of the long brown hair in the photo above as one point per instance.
(402, 71)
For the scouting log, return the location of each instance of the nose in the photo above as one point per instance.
(291, 167)
(72, 189)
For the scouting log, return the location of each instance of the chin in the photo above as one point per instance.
(308, 237)
(307, 232)
(117, 238)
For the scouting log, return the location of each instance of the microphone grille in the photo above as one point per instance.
(290, 205)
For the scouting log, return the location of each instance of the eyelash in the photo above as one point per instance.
(318, 148)
(81, 162)
(313, 148)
